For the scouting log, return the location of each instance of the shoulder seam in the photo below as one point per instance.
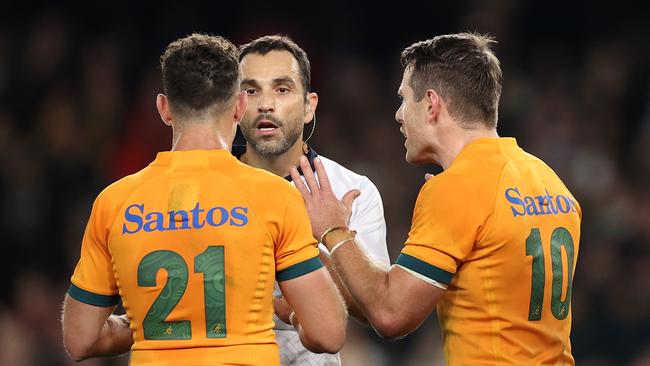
(493, 219)
(112, 225)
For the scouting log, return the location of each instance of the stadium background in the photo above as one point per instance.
(77, 89)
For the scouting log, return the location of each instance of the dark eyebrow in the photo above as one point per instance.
(251, 82)
(284, 80)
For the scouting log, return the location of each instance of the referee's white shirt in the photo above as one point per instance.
(368, 220)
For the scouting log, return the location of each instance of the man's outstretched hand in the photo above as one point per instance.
(324, 209)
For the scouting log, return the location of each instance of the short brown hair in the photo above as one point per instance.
(200, 71)
(463, 69)
(266, 44)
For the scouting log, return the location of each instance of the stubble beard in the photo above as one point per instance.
(266, 146)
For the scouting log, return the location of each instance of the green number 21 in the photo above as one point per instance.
(560, 238)
(211, 264)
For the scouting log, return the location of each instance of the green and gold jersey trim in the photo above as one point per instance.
(92, 298)
(299, 269)
(423, 268)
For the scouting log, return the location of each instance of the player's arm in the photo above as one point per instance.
(353, 308)
(283, 310)
(89, 328)
(368, 220)
(394, 301)
(92, 331)
(319, 313)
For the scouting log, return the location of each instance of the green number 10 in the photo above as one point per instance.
(560, 238)
(211, 264)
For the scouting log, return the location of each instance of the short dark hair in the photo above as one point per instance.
(266, 44)
(463, 69)
(200, 71)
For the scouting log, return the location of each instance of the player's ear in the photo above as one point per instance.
(310, 107)
(162, 103)
(240, 106)
(433, 104)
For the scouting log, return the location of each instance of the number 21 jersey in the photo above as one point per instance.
(192, 244)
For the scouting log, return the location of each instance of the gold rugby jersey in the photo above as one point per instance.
(500, 231)
(193, 244)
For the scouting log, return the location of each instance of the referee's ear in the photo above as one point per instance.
(163, 109)
(310, 107)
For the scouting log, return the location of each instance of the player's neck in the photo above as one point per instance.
(202, 137)
(276, 164)
(461, 139)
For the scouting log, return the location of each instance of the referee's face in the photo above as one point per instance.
(276, 111)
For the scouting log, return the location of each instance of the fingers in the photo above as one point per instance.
(349, 198)
(310, 178)
(427, 176)
(314, 185)
(323, 179)
(297, 181)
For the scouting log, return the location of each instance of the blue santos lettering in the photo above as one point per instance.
(154, 222)
(137, 218)
(515, 201)
(223, 216)
(544, 204)
(133, 218)
(239, 216)
(531, 207)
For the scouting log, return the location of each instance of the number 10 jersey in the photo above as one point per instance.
(500, 232)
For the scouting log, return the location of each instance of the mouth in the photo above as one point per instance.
(403, 133)
(266, 127)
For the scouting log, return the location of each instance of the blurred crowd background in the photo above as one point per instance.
(77, 92)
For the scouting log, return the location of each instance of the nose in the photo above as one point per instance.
(399, 115)
(266, 104)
